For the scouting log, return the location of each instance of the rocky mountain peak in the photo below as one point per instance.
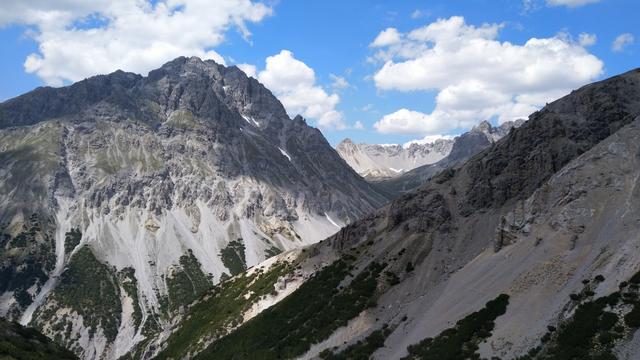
(483, 127)
(345, 142)
(168, 183)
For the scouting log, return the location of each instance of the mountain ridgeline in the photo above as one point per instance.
(463, 147)
(528, 250)
(184, 215)
(125, 198)
(375, 162)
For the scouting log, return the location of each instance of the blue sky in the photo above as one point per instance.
(585, 40)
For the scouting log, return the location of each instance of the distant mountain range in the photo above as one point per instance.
(464, 146)
(396, 169)
(380, 161)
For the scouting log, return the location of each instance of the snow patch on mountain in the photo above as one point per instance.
(331, 221)
(284, 153)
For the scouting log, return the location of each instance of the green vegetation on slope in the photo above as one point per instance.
(129, 283)
(90, 288)
(307, 316)
(233, 257)
(25, 260)
(29, 159)
(71, 240)
(595, 326)
(181, 119)
(271, 252)
(209, 317)
(21, 343)
(187, 283)
(461, 341)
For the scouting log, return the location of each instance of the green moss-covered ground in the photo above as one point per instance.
(461, 341)
(21, 343)
(307, 316)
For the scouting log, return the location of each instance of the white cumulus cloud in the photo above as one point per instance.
(621, 41)
(476, 76)
(338, 82)
(387, 37)
(294, 83)
(586, 39)
(248, 69)
(78, 38)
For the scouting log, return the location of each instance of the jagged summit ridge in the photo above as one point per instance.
(376, 161)
(406, 166)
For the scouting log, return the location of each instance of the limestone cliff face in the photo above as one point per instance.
(164, 184)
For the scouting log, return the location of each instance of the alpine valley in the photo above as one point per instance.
(184, 215)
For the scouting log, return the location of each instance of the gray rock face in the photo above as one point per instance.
(551, 204)
(194, 164)
(377, 162)
(463, 147)
(537, 215)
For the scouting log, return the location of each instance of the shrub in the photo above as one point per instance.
(409, 267)
(632, 319)
(461, 341)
